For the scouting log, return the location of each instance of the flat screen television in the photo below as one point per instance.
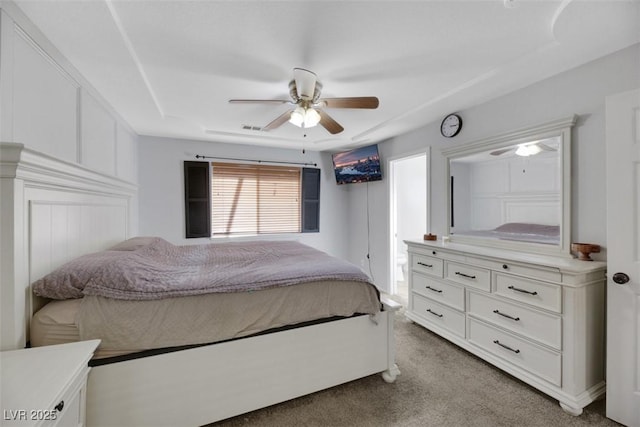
(357, 165)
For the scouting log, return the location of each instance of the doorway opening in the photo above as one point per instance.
(409, 192)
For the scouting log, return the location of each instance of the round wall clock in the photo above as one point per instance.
(451, 125)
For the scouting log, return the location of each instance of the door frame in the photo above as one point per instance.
(391, 168)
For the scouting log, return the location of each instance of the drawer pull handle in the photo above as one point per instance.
(524, 291)
(434, 289)
(425, 265)
(434, 313)
(506, 346)
(506, 315)
(59, 406)
(465, 275)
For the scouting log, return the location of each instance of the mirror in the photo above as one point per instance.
(513, 191)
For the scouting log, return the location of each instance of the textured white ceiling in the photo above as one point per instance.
(170, 67)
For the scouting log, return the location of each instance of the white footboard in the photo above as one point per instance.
(210, 383)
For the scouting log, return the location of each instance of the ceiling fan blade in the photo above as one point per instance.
(279, 121)
(370, 102)
(329, 124)
(305, 83)
(500, 152)
(260, 101)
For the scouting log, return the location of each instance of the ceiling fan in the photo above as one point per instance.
(305, 90)
(525, 150)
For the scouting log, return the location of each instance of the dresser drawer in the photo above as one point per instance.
(427, 265)
(506, 266)
(439, 314)
(446, 293)
(540, 326)
(544, 363)
(540, 294)
(71, 415)
(469, 275)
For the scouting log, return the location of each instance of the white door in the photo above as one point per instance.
(623, 257)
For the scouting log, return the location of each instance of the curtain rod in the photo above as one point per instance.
(198, 156)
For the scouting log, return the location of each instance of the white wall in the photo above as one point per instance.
(580, 91)
(48, 106)
(161, 189)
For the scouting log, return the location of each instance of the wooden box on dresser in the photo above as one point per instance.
(539, 318)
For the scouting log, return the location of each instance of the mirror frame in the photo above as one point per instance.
(558, 128)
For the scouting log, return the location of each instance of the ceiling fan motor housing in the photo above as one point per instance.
(293, 92)
(305, 83)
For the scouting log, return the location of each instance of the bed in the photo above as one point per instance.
(146, 299)
(56, 211)
(147, 294)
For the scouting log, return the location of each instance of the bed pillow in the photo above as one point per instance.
(68, 281)
(135, 243)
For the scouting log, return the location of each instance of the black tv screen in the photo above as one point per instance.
(358, 165)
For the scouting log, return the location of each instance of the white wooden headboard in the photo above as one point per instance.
(52, 211)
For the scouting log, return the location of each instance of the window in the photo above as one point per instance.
(252, 199)
(255, 199)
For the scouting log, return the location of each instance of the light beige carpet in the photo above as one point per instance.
(440, 385)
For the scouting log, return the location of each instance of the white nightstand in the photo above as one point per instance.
(45, 386)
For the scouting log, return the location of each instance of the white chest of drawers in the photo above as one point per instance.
(45, 386)
(539, 318)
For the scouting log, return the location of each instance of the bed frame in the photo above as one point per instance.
(55, 211)
(207, 384)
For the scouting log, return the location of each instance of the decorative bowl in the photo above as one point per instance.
(584, 250)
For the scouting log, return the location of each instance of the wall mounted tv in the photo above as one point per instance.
(357, 165)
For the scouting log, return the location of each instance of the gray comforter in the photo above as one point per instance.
(162, 270)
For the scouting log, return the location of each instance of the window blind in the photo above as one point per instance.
(255, 199)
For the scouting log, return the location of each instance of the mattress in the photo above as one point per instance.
(126, 326)
(55, 323)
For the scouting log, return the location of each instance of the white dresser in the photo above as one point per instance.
(539, 318)
(45, 386)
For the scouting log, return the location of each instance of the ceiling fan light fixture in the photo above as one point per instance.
(297, 117)
(304, 117)
(311, 118)
(528, 150)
